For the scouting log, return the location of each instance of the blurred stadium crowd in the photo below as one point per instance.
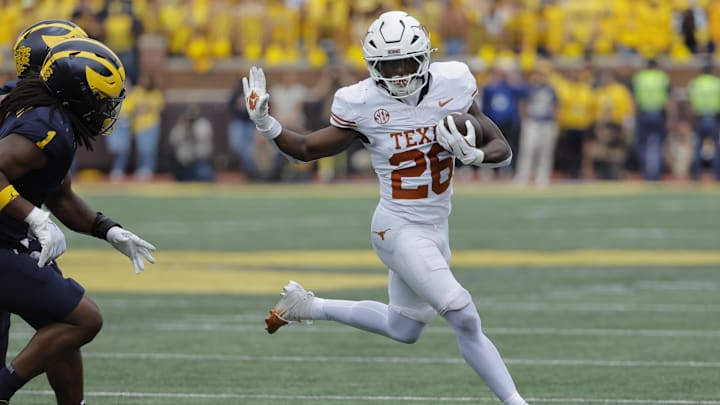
(584, 89)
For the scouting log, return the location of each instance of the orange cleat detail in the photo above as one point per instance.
(274, 322)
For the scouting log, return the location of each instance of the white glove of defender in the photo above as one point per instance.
(131, 246)
(257, 100)
(51, 238)
(462, 147)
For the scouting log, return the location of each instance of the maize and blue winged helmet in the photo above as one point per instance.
(33, 44)
(89, 79)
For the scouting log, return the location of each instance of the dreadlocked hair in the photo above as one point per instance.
(31, 92)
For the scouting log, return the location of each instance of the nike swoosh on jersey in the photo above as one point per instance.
(442, 103)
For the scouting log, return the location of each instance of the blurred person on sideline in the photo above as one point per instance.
(692, 24)
(679, 150)
(44, 119)
(86, 15)
(400, 113)
(613, 127)
(192, 141)
(575, 117)
(501, 103)
(651, 89)
(241, 133)
(120, 144)
(539, 133)
(148, 104)
(704, 94)
(454, 29)
(288, 108)
(495, 22)
(199, 49)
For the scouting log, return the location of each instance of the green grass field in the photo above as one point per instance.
(597, 294)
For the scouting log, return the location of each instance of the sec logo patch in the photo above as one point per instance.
(381, 116)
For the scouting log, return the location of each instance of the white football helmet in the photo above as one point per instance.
(397, 53)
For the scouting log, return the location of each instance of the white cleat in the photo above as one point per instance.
(294, 306)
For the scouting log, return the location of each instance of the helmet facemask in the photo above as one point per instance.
(99, 114)
(401, 77)
(105, 114)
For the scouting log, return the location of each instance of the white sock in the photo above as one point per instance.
(481, 354)
(372, 316)
(316, 309)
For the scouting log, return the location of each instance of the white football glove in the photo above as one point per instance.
(256, 101)
(51, 238)
(462, 147)
(131, 246)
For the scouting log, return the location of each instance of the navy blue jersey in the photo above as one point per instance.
(52, 132)
(8, 86)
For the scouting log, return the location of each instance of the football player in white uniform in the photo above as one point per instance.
(398, 114)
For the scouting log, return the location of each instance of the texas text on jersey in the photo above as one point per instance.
(413, 170)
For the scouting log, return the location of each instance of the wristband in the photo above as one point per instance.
(7, 195)
(101, 225)
(270, 131)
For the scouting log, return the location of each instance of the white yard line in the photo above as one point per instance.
(22, 331)
(439, 330)
(570, 307)
(368, 398)
(486, 306)
(392, 360)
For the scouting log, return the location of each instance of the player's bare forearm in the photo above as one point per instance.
(12, 203)
(494, 144)
(496, 147)
(292, 143)
(18, 156)
(325, 142)
(70, 209)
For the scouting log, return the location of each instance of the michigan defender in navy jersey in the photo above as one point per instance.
(401, 114)
(30, 50)
(76, 97)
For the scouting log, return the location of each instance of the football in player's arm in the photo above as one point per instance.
(400, 114)
(75, 97)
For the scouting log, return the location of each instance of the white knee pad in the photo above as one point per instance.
(458, 299)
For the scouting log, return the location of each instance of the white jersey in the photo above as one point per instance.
(414, 172)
